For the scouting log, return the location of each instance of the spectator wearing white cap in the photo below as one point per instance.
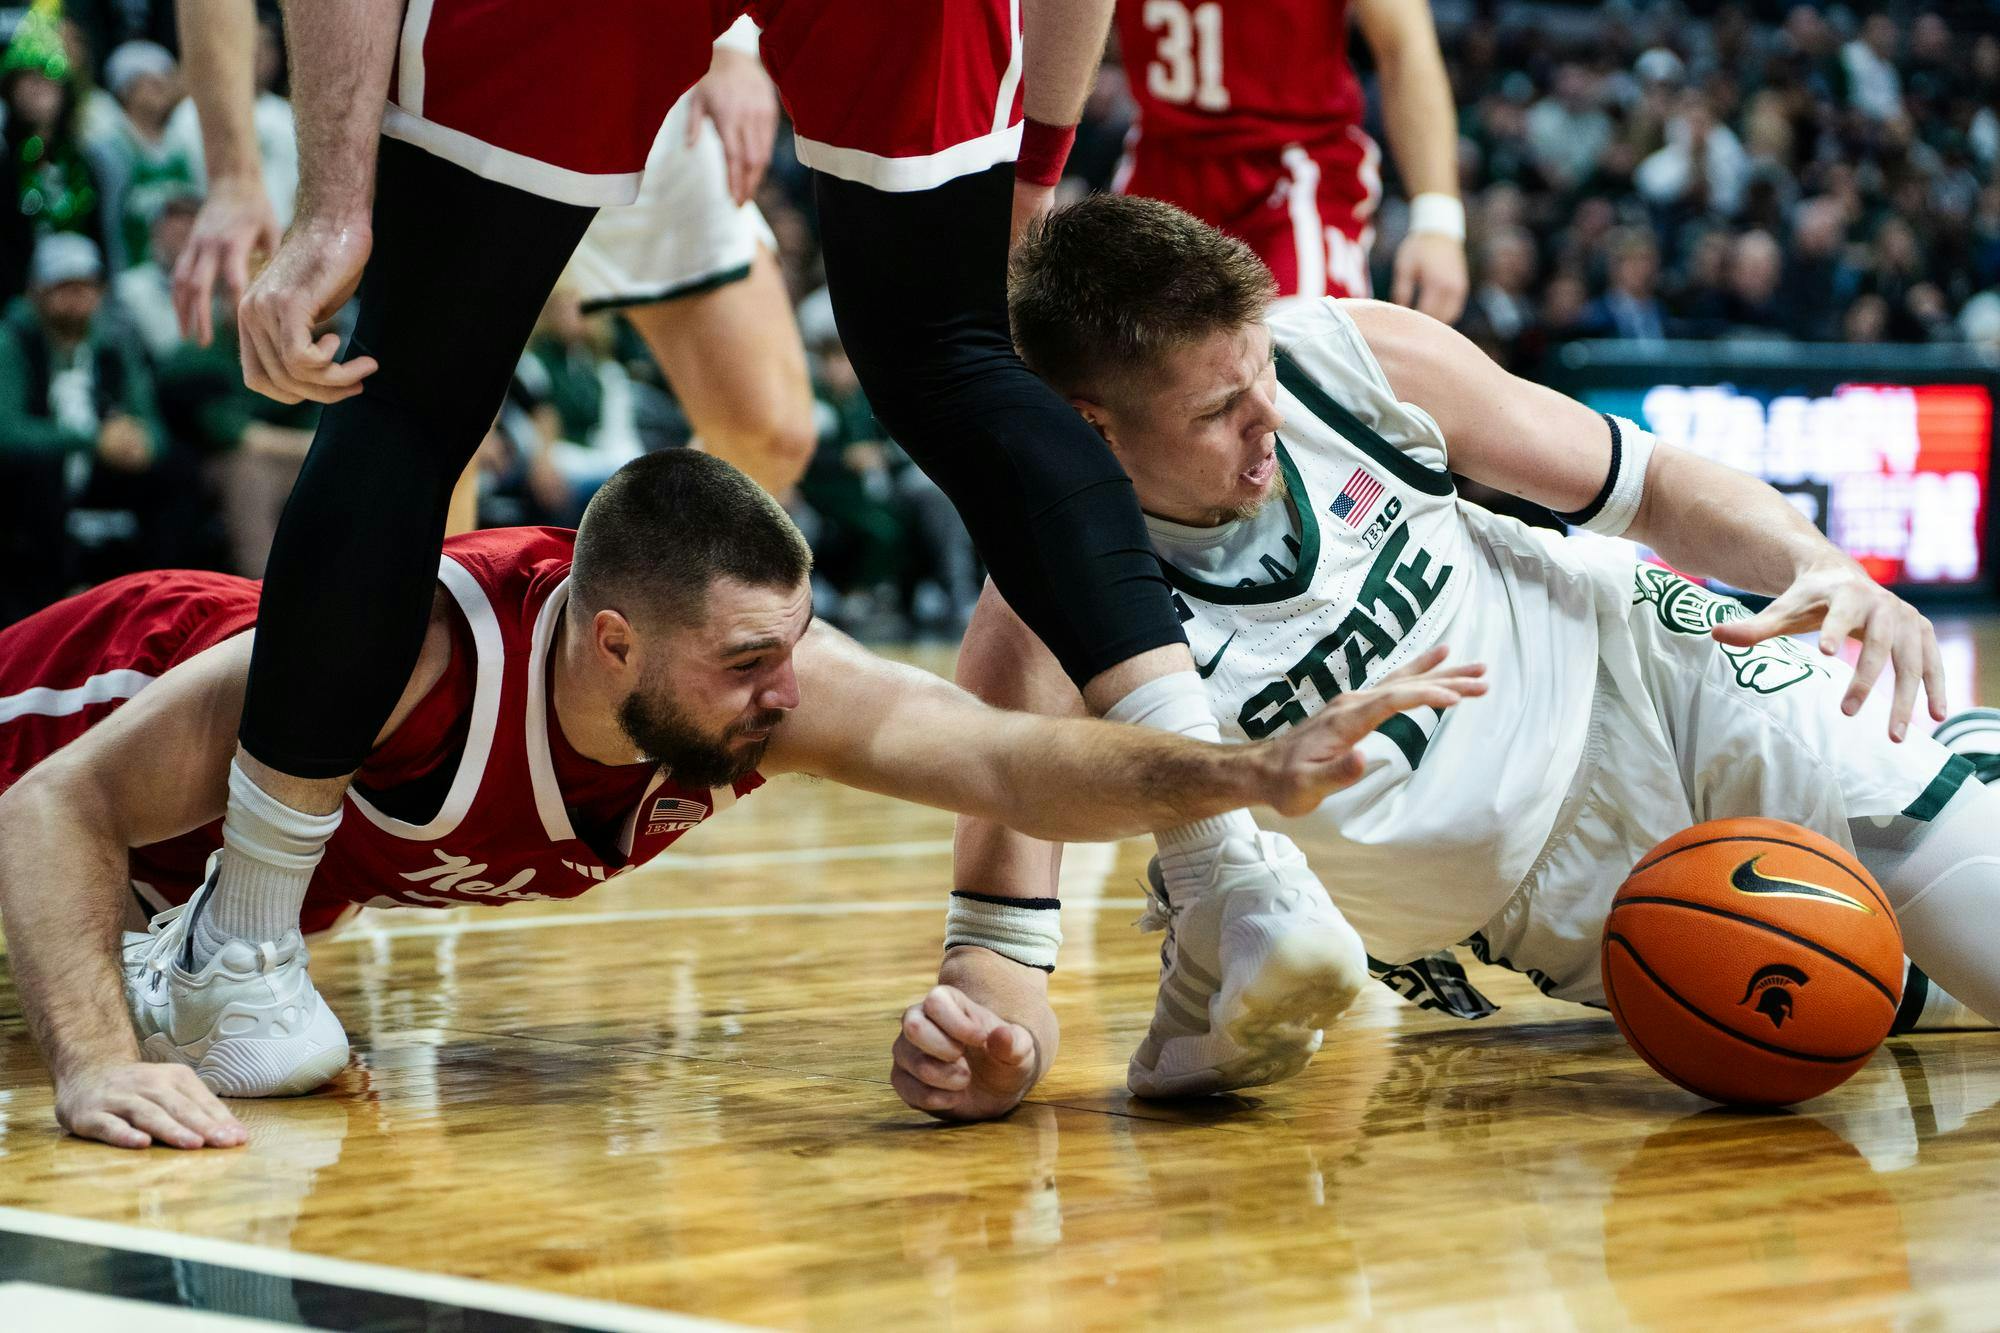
(77, 428)
(141, 163)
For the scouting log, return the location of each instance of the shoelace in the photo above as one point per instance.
(168, 935)
(1160, 914)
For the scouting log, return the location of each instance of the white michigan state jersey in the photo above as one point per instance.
(1379, 562)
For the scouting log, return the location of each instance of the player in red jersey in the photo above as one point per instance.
(1250, 119)
(933, 128)
(579, 702)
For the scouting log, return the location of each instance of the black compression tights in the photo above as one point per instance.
(460, 269)
(918, 282)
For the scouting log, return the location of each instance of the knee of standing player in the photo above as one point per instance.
(787, 441)
(773, 442)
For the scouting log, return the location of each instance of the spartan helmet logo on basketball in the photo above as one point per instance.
(1771, 987)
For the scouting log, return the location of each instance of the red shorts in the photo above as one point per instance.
(564, 99)
(1309, 214)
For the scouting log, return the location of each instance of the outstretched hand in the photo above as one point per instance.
(1843, 603)
(958, 1060)
(1318, 757)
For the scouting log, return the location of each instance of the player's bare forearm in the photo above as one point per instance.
(1715, 522)
(63, 890)
(341, 55)
(1015, 993)
(218, 55)
(883, 727)
(1416, 93)
(1062, 44)
(1528, 440)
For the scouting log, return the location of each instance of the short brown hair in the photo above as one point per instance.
(655, 537)
(1101, 288)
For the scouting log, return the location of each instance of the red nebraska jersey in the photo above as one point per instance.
(484, 738)
(1237, 76)
(564, 99)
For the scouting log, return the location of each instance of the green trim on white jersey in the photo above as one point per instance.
(1297, 582)
(1357, 432)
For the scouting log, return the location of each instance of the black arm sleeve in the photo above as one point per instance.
(460, 269)
(918, 282)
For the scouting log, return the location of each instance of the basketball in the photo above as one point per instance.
(1752, 961)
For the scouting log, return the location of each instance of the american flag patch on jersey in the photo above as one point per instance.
(675, 812)
(1357, 497)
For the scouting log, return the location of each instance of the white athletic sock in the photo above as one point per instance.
(1179, 703)
(269, 852)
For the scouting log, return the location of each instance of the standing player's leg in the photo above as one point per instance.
(734, 359)
(918, 283)
(460, 266)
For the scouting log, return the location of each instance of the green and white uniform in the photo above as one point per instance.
(1612, 720)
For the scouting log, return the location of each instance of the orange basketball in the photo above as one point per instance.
(1752, 961)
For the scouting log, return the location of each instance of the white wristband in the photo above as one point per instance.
(1617, 502)
(740, 37)
(1437, 215)
(1027, 931)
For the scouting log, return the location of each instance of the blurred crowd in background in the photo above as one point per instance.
(1637, 172)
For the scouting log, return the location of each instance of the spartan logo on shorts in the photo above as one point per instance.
(1771, 988)
(1686, 608)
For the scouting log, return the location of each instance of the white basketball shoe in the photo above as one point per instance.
(1254, 966)
(249, 1021)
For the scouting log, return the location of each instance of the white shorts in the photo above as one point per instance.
(683, 236)
(1685, 730)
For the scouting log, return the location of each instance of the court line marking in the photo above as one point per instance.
(44, 1306)
(444, 1289)
(362, 933)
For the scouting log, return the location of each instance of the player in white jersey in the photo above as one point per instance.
(1295, 476)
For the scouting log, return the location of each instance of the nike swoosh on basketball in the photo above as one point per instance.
(1746, 878)
(1207, 669)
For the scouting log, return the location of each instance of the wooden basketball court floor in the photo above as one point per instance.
(667, 1104)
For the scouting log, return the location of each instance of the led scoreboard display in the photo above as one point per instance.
(1893, 467)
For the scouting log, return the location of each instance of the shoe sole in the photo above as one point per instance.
(262, 1066)
(1306, 982)
(1284, 1056)
(243, 1068)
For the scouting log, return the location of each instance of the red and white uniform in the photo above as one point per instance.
(510, 812)
(1250, 119)
(565, 99)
